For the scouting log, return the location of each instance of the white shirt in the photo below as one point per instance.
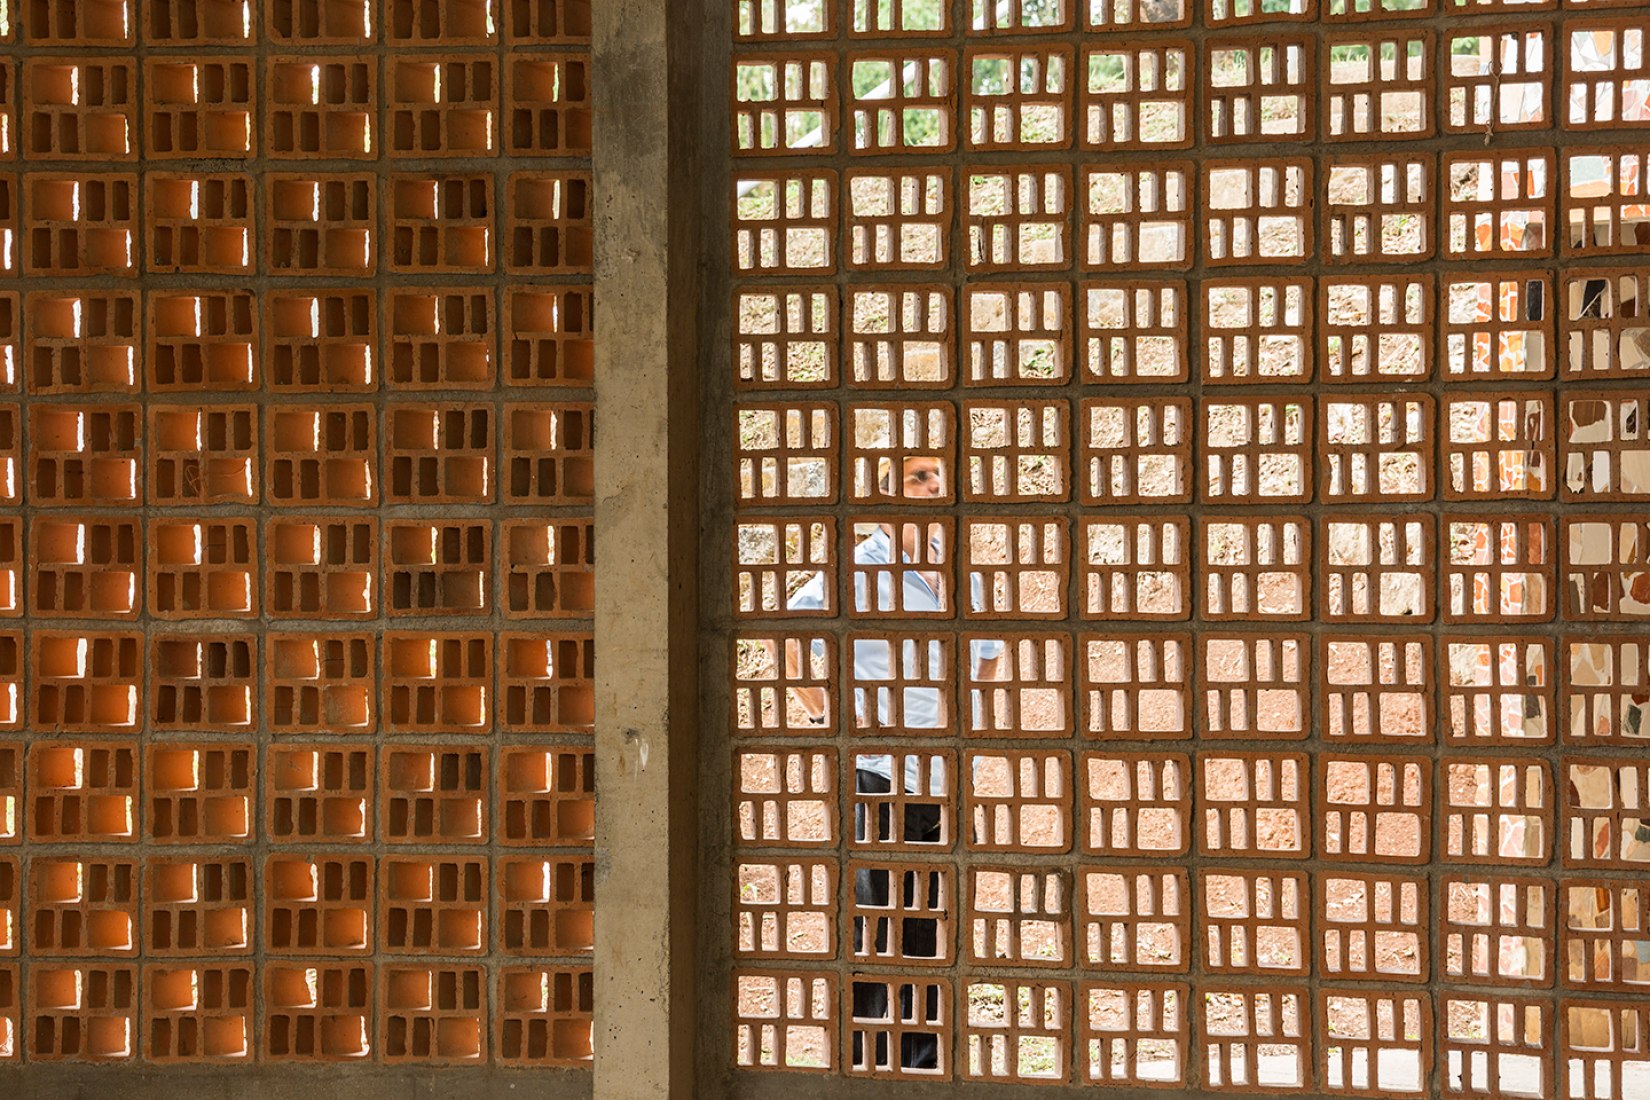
(921, 708)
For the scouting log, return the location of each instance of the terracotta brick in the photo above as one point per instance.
(543, 1015)
(320, 683)
(317, 1011)
(185, 22)
(198, 1013)
(434, 1014)
(194, 339)
(319, 791)
(83, 342)
(197, 906)
(82, 1012)
(201, 794)
(321, 905)
(83, 907)
(433, 906)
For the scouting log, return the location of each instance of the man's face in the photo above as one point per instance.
(924, 477)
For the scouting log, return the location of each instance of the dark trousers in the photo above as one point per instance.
(919, 936)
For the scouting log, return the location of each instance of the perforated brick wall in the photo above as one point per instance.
(295, 531)
(1188, 565)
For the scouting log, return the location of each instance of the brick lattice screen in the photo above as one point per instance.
(1191, 580)
(295, 317)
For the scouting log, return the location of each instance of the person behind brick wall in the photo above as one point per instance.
(923, 591)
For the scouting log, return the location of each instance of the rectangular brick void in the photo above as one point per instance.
(295, 329)
(1191, 567)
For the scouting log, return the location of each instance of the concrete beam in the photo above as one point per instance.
(646, 508)
(81, 1081)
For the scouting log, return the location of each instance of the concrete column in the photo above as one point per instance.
(646, 445)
